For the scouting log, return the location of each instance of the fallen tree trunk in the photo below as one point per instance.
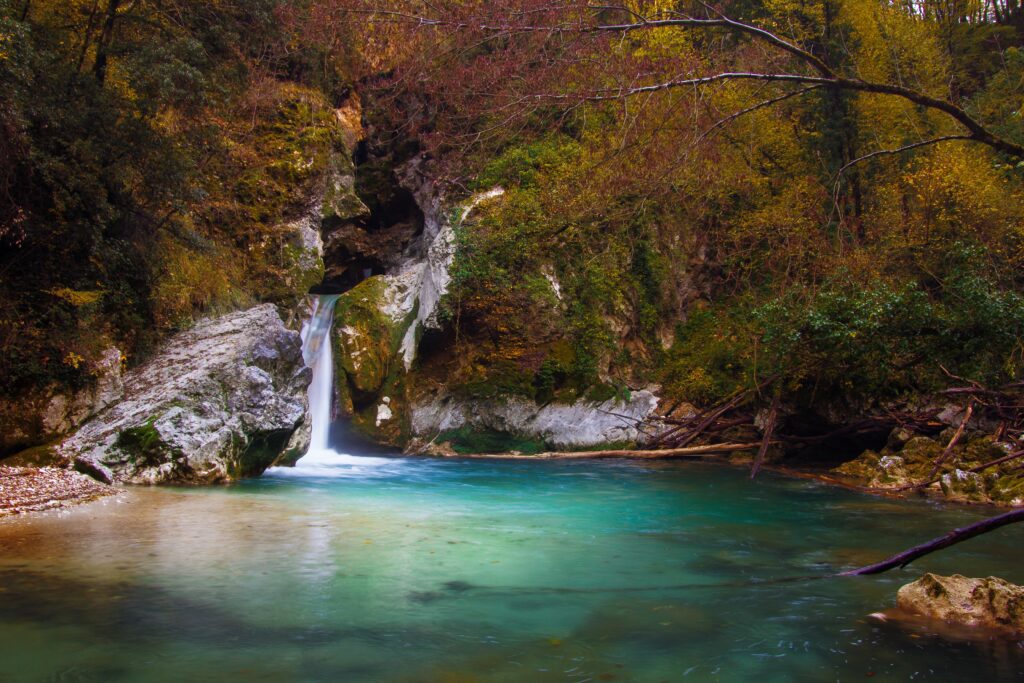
(692, 452)
(952, 538)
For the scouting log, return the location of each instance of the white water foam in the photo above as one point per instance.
(320, 459)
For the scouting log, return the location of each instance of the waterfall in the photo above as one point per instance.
(316, 352)
(321, 460)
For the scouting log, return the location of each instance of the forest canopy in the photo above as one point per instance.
(829, 192)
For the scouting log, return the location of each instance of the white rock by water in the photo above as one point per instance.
(582, 424)
(220, 401)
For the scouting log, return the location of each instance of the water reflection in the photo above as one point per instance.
(398, 570)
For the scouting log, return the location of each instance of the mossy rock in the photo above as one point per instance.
(387, 420)
(920, 450)
(365, 337)
(862, 468)
(253, 458)
(963, 486)
(468, 441)
(981, 450)
(990, 603)
(877, 470)
(143, 445)
(892, 472)
(341, 203)
(1007, 489)
(898, 437)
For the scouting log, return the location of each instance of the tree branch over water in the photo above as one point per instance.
(952, 538)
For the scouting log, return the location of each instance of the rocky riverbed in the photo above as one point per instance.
(976, 469)
(30, 489)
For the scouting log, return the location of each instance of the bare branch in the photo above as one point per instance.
(904, 148)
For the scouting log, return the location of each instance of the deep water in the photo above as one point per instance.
(460, 571)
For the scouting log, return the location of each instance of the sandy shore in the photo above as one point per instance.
(29, 489)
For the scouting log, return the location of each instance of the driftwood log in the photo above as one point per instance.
(690, 452)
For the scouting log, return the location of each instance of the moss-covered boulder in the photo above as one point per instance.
(920, 450)
(905, 460)
(908, 460)
(990, 603)
(386, 419)
(1007, 489)
(370, 323)
(964, 486)
(875, 470)
(982, 449)
(368, 330)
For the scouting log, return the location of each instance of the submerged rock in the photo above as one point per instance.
(990, 603)
(218, 402)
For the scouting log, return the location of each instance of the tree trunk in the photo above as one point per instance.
(99, 69)
(689, 452)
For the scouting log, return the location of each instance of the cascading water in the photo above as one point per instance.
(316, 352)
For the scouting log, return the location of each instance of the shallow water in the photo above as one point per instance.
(458, 571)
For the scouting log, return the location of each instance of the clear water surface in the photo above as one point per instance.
(457, 571)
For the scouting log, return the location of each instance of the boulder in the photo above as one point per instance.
(366, 335)
(94, 469)
(562, 426)
(217, 402)
(990, 603)
(899, 466)
(963, 486)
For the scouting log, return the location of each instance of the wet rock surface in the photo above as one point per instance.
(990, 603)
(218, 402)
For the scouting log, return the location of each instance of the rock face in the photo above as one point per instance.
(378, 325)
(990, 603)
(579, 425)
(220, 401)
(49, 414)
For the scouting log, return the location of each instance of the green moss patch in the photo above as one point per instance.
(468, 441)
(143, 445)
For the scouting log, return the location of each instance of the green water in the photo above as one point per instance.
(463, 571)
